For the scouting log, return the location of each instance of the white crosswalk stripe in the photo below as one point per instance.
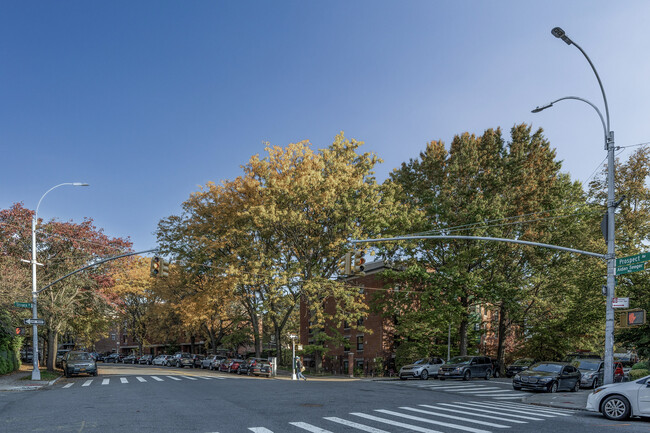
(173, 377)
(141, 379)
(87, 383)
(105, 381)
(494, 390)
(503, 415)
(124, 380)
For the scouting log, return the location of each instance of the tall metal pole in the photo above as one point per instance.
(36, 373)
(611, 208)
(293, 357)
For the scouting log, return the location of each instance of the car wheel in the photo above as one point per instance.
(552, 387)
(595, 384)
(496, 374)
(488, 374)
(576, 387)
(467, 375)
(424, 375)
(616, 408)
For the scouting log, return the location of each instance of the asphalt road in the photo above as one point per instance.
(127, 398)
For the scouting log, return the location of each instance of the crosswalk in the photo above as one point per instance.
(138, 379)
(493, 390)
(465, 416)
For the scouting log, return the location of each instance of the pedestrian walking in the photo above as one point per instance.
(299, 369)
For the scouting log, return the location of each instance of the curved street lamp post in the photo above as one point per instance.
(36, 373)
(611, 208)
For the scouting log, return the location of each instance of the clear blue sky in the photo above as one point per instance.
(147, 100)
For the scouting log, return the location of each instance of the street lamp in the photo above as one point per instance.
(611, 208)
(36, 373)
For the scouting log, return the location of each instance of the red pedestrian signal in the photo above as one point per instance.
(20, 331)
(636, 318)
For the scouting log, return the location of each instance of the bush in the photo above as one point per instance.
(641, 366)
(638, 373)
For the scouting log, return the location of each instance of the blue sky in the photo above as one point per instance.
(147, 100)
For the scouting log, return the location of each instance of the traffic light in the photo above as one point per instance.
(164, 268)
(21, 331)
(359, 261)
(635, 318)
(155, 266)
(345, 265)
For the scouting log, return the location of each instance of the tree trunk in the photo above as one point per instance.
(52, 344)
(462, 330)
(502, 339)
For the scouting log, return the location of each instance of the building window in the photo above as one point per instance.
(113, 337)
(346, 344)
(360, 322)
(359, 343)
(346, 325)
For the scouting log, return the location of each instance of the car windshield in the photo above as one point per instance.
(79, 357)
(523, 362)
(588, 364)
(547, 368)
(460, 360)
(421, 361)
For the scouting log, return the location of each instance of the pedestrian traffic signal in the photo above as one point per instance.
(21, 331)
(635, 318)
(345, 265)
(359, 262)
(155, 266)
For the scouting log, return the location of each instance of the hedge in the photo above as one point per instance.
(9, 353)
(638, 373)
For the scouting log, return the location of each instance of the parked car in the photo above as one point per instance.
(212, 362)
(422, 368)
(145, 359)
(548, 376)
(130, 359)
(75, 362)
(160, 360)
(496, 367)
(518, 366)
(197, 360)
(181, 359)
(619, 401)
(246, 366)
(260, 368)
(225, 364)
(593, 372)
(466, 367)
(59, 357)
(113, 357)
(234, 365)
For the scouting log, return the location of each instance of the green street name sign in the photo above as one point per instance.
(638, 258)
(22, 304)
(627, 269)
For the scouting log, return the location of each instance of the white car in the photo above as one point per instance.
(160, 360)
(422, 368)
(618, 401)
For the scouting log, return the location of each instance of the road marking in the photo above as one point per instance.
(487, 391)
(502, 409)
(395, 423)
(173, 378)
(259, 430)
(455, 387)
(457, 418)
(530, 418)
(309, 427)
(512, 397)
(483, 389)
(157, 378)
(518, 409)
(87, 383)
(69, 385)
(563, 412)
(105, 381)
(190, 378)
(498, 418)
(141, 379)
(440, 423)
(358, 426)
(123, 380)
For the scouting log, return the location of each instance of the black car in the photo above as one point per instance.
(145, 359)
(113, 357)
(549, 377)
(181, 359)
(518, 366)
(131, 359)
(466, 367)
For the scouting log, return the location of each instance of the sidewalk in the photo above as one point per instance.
(15, 382)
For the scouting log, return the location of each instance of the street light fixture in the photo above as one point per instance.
(611, 208)
(36, 373)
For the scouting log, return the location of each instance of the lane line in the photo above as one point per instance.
(353, 424)
(465, 412)
(429, 421)
(394, 423)
(309, 427)
(457, 418)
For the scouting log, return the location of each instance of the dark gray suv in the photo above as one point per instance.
(466, 367)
